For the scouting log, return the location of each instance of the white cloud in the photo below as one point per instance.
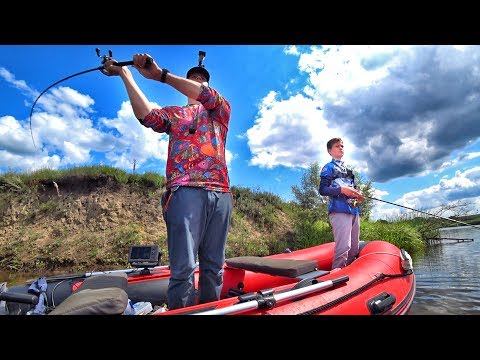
(74, 154)
(291, 50)
(136, 141)
(463, 187)
(289, 133)
(10, 78)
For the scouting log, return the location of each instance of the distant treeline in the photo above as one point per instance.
(469, 219)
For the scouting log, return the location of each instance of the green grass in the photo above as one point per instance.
(402, 234)
(259, 207)
(21, 182)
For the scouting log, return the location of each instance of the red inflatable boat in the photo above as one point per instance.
(380, 281)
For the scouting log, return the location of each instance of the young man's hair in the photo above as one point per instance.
(333, 141)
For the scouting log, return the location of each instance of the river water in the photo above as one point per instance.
(447, 275)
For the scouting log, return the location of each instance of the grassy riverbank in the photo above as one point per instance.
(86, 218)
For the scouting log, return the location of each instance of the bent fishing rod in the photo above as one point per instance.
(105, 58)
(423, 212)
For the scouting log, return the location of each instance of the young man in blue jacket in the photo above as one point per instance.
(338, 182)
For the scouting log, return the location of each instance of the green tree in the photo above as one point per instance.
(367, 190)
(307, 195)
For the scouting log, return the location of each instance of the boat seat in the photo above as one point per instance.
(104, 294)
(313, 274)
(290, 268)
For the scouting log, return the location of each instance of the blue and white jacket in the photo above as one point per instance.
(333, 175)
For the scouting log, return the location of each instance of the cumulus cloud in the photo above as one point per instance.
(288, 132)
(404, 109)
(464, 187)
(66, 132)
(10, 78)
(134, 141)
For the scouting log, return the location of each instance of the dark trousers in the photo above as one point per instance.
(197, 222)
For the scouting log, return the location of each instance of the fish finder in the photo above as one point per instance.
(144, 256)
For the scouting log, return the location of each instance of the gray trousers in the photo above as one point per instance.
(197, 222)
(346, 233)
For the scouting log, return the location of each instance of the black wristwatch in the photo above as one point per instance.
(164, 75)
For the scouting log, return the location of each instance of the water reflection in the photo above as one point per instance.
(447, 276)
(11, 279)
(20, 277)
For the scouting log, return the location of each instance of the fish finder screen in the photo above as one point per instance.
(141, 253)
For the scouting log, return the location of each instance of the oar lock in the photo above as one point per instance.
(264, 298)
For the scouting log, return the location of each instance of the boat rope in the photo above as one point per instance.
(353, 293)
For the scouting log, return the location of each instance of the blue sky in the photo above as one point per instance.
(409, 115)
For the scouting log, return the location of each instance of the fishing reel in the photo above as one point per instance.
(105, 58)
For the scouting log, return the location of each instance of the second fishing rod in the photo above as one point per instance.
(423, 212)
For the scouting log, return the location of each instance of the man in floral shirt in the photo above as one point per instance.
(197, 205)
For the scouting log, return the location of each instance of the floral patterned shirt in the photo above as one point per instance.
(197, 138)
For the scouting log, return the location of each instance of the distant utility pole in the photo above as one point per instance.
(134, 165)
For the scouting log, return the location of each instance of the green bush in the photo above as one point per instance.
(403, 235)
(310, 234)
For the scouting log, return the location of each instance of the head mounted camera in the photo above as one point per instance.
(200, 69)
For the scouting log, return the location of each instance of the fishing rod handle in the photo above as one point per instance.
(340, 280)
(125, 63)
(20, 298)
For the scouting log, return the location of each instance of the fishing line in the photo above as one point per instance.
(423, 212)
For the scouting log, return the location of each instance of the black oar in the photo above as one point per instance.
(271, 300)
(423, 212)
